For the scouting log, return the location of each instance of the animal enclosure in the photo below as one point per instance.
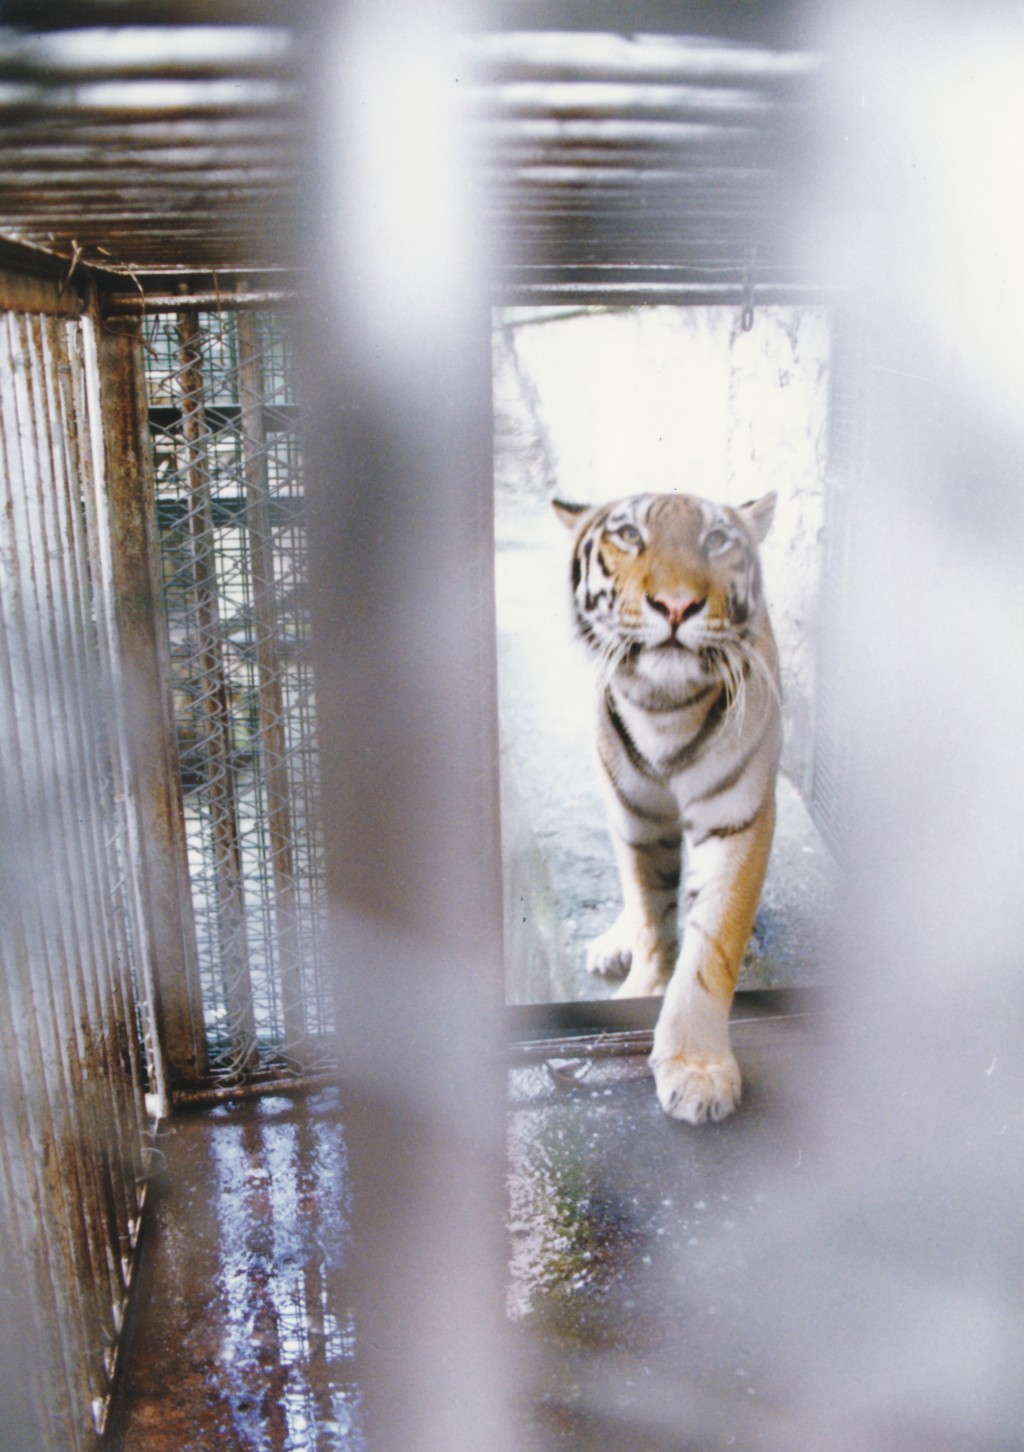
(250, 869)
(165, 884)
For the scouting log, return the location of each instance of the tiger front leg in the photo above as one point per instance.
(695, 1071)
(643, 937)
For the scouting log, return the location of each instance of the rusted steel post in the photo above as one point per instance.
(214, 707)
(161, 863)
(87, 986)
(94, 747)
(273, 740)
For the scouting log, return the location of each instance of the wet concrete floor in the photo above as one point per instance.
(634, 1240)
(239, 1339)
(629, 1235)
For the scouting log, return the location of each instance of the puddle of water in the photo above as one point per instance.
(247, 1344)
(283, 1206)
(579, 1232)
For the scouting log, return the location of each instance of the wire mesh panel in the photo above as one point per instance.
(72, 1072)
(229, 499)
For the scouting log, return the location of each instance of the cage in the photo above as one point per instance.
(256, 907)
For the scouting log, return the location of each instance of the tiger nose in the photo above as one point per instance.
(677, 607)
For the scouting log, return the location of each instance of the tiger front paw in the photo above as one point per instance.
(611, 952)
(697, 1089)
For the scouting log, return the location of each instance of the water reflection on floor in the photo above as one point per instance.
(241, 1338)
(633, 1257)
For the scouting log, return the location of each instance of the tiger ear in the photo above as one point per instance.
(569, 514)
(757, 515)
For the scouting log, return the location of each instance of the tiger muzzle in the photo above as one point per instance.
(677, 608)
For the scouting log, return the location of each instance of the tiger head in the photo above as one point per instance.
(668, 585)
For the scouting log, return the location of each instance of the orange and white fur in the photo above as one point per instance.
(667, 595)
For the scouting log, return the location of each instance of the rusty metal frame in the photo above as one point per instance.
(73, 1114)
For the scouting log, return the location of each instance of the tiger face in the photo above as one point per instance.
(667, 585)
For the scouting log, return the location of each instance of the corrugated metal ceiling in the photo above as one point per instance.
(149, 147)
(659, 164)
(618, 166)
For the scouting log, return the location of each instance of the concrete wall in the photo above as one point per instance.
(596, 404)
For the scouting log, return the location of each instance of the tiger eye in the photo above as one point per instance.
(716, 539)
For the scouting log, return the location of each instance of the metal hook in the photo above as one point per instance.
(747, 315)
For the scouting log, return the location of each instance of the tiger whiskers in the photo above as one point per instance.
(740, 664)
(610, 656)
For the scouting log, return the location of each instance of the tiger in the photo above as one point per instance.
(667, 596)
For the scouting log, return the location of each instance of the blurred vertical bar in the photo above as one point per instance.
(398, 378)
(903, 1321)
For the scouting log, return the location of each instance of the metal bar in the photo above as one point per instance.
(513, 100)
(533, 1022)
(194, 274)
(644, 290)
(608, 1044)
(96, 736)
(652, 59)
(151, 99)
(95, 184)
(273, 739)
(136, 135)
(197, 302)
(78, 160)
(254, 1089)
(215, 714)
(145, 197)
(125, 859)
(105, 51)
(583, 1046)
(88, 946)
(158, 846)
